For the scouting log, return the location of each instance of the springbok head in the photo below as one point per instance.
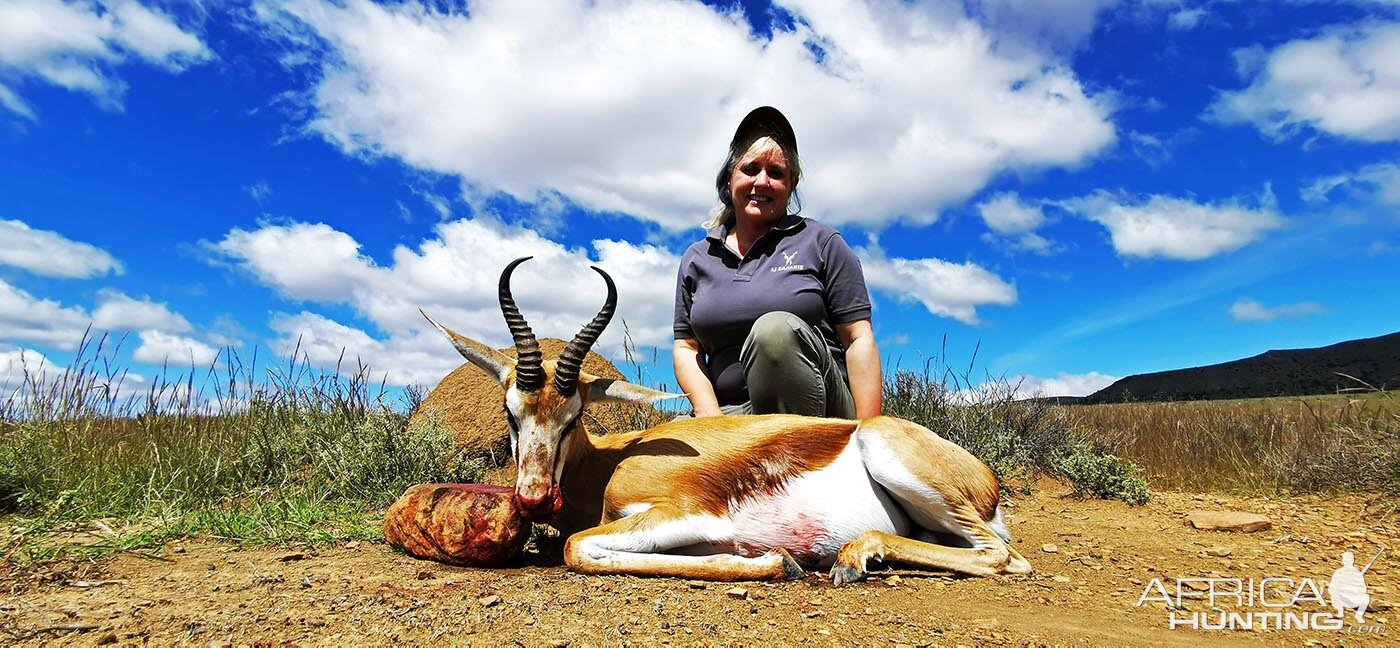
(544, 399)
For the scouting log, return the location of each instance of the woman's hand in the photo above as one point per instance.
(862, 366)
(693, 379)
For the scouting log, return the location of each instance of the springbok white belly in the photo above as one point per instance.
(815, 513)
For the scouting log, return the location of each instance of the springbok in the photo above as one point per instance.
(733, 497)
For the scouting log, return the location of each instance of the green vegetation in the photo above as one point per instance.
(1016, 438)
(303, 456)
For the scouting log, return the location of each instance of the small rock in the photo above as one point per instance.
(179, 549)
(697, 585)
(1219, 551)
(296, 555)
(426, 575)
(1238, 521)
(1061, 579)
(352, 544)
(893, 580)
(737, 593)
(813, 614)
(488, 601)
(1049, 548)
(306, 582)
(108, 638)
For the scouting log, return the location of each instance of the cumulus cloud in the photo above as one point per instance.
(24, 317)
(50, 254)
(1015, 221)
(1176, 228)
(118, 311)
(158, 347)
(78, 44)
(1248, 310)
(946, 289)
(1343, 82)
(584, 99)
(453, 276)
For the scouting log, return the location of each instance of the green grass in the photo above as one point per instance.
(299, 456)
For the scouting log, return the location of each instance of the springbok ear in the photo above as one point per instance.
(493, 363)
(604, 390)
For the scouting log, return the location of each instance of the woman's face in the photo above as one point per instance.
(760, 185)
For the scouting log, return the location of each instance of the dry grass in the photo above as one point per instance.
(1278, 445)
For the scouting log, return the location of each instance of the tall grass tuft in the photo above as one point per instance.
(217, 453)
(1015, 438)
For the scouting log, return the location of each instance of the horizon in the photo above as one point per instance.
(1058, 198)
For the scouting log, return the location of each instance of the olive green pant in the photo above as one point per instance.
(790, 370)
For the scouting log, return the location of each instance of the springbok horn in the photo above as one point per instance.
(571, 360)
(529, 367)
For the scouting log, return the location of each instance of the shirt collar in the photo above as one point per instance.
(787, 223)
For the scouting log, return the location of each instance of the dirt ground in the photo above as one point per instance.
(1084, 591)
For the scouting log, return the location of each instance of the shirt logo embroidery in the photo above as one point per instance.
(788, 265)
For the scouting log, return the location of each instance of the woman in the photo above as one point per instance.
(772, 313)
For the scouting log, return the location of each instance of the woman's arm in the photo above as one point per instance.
(862, 366)
(694, 381)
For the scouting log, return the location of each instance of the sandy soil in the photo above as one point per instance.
(1084, 593)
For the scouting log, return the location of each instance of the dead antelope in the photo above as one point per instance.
(733, 497)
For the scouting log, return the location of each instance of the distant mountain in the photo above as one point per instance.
(1294, 372)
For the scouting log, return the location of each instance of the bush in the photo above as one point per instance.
(1101, 475)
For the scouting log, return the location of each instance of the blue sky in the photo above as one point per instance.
(1078, 192)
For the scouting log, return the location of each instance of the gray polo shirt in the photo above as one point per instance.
(800, 266)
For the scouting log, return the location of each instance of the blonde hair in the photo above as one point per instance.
(723, 215)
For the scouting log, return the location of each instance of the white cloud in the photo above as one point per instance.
(1062, 384)
(945, 289)
(627, 106)
(76, 45)
(50, 254)
(1176, 228)
(1377, 181)
(26, 318)
(1248, 310)
(18, 364)
(117, 311)
(1344, 82)
(453, 276)
(1186, 19)
(1015, 222)
(1054, 24)
(158, 348)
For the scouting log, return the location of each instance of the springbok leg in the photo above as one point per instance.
(632, 545)
(944, 489)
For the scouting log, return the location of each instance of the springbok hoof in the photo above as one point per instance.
(791, 569)
(842, 575)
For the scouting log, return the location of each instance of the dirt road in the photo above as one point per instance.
(1084, 591)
